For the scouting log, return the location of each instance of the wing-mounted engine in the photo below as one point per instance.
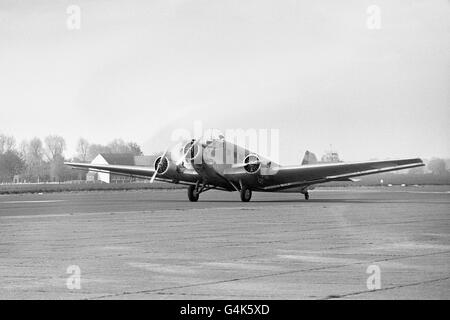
(252, 164)
(165, 167)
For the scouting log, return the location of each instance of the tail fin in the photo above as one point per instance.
(309, 158)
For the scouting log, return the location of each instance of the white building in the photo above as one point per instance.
(110, 158)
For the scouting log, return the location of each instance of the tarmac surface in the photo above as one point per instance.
(158, 245)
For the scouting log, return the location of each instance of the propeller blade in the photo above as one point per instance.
(196, 141)
(154, 174)
(241, 165)
(159, 164)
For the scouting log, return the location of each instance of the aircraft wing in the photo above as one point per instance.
(134, 171)
(119, 169)
(304, 175)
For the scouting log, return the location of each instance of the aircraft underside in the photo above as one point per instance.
(245, 193)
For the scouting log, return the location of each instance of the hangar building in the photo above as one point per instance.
(117, 159)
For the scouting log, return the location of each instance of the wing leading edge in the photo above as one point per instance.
(134, 171)
(304, 175)
(120, 169)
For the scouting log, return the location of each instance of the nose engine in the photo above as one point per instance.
(193, 152)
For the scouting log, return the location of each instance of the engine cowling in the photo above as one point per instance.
(253, 163)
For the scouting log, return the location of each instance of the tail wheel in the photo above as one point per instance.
(193, 194)
(246, 194)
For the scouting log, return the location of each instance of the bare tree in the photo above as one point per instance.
(95, 149)
(23, 149)
(82, 149)
(118, 146)
(10, 165)
(55, 146)
(32, 153)
(35, 151)
(437, 166)
(135, 149)
(7, 143)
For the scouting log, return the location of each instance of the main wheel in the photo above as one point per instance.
(306, 195)
(193, 194)
(246, 194)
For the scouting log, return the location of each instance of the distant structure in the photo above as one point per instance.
(330, 157)
(126, 159)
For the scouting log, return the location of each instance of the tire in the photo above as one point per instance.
(306, 196)
(192, 194)
(246, 194)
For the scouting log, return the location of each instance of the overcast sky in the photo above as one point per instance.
(137, 70)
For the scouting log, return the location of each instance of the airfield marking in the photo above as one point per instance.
(33, 201)
(100, 213)
(375, 191)
(158, 211)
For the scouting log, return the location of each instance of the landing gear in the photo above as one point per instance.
(193, 194)
(246, 194)
(195, 190)
(306, 195)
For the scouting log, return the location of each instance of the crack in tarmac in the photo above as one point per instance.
(338, 296)
(264, 276)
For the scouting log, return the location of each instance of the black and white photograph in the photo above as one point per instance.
(224, 150)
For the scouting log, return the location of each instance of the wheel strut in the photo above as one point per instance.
(195, 190)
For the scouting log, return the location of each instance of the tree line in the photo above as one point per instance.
(39, 160)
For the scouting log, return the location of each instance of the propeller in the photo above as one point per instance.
(159, 165)
(194, 142)
(248, 161)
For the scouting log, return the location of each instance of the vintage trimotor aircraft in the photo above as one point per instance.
(222, 165)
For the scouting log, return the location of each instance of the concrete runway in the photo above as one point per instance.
(158, 245)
